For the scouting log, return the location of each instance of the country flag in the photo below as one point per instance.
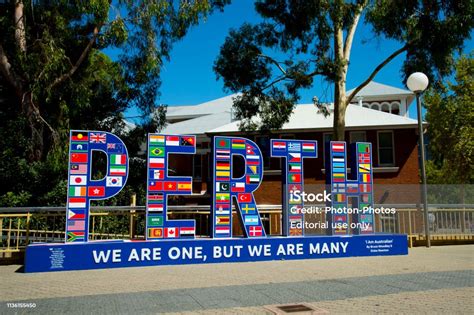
(294, 178)
(77, 202)
(155, 198)
(78, 180)
(223, 166)
(155, 233)
(113, 181)
(79, 157)
(251, 220)
(157, 152)
(157, 174)
(294, 146)
(76, 225)
(365, 188)
(114, 147)
(222, 220)
(223, 209)
(253, 169)
(96, 191)
(76, 214)
(238, 144)
(365, 178)
(244, 197)
(338, 160)
(247, 208)
(238, 187)
(340, 197)
(97, 137)
(118, 159)
(170, 186)
(364, 168)
(172, 141)
(252, 179)
(183, 186)
(295, 158)
(252, 157)
(75, 191)
(309, 147)
(188, 141)
(75, 236)
(250, 150)
(186, 231)
(279, 145)
(222, 143)
(155, 207)
(352, 188)
(171, 232)
(364, 158)
(222, 187)
(78, 147)
(155, 185)
(78, 169)
(365, 198)
(222, 230)
(222, 197)
(255, 231)
(294, 168)
(118, 170)
(363, 148)
(155, 220)
(155, 139)
(338, 147)
(223, 174)
(157, 162)
(223, 154)
(79, 136)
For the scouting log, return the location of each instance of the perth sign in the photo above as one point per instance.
(170, 241)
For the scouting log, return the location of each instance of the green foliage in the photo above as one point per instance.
(450, 114)
(298, 41)
(61, 79)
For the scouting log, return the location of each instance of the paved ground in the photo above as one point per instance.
(436, 280)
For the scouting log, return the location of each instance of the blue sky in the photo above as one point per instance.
(188, 78)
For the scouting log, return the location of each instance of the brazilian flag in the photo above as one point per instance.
(157, 151)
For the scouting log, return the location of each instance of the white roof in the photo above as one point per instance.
(379, 89)
(306, 117)
(199, 125)
(220, 105)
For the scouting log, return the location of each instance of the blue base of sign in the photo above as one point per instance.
(118, 254)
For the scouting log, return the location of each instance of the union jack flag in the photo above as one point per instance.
(97, 137)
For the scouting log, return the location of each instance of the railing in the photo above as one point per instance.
(22, 226)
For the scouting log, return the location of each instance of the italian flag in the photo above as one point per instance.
(118, 159)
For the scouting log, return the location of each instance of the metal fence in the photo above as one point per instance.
(22, 226)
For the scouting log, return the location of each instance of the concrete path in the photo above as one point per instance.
(436, 280)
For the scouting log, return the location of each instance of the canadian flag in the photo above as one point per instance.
(171, 232)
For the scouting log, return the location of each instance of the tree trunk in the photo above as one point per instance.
(20, 35)
(36, 126)
(340, 87)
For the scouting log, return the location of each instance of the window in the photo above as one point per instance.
(197, 166)
(395, 109)
(385, 108)
(375, 106)
(357, 136)
(263, 143)
(386, 148)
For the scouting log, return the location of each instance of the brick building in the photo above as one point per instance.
(379, 116)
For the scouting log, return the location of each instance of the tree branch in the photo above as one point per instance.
(6, 70)
(274, 62)
(376, 70)
(351, 32)
(79, 61)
